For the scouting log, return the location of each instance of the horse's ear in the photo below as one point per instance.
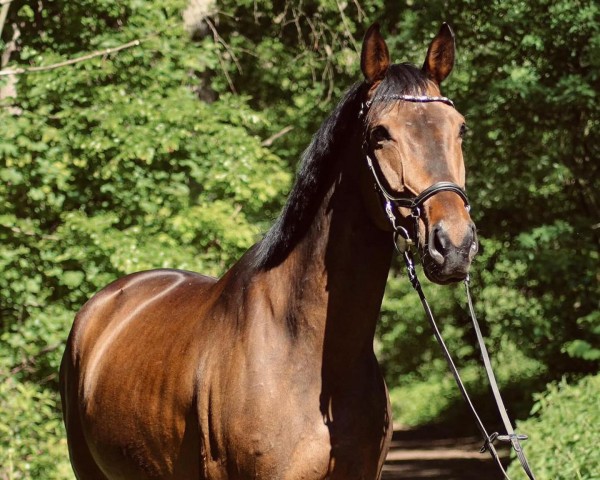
(440, 56)
(375, 57)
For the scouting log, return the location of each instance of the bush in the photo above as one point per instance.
(430, 394)
(564, 432)
(32, 437)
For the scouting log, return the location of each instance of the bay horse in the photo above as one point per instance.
(269, 372)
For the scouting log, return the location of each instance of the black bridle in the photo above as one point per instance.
(403, 242)
(402, 238)
(414, 203)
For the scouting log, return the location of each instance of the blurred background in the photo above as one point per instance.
(143, 134)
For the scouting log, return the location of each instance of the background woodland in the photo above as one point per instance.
(179, 152)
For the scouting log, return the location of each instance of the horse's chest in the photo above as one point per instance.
(294, 438)
(264, 416)
(292, 454)
(260, 439)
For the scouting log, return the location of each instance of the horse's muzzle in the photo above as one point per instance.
(448, 256)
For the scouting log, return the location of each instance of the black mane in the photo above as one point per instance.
(317, 166)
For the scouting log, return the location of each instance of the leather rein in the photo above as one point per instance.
(403, 243)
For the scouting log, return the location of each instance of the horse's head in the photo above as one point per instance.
(412, 141)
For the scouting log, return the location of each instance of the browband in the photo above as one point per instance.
(411, 98)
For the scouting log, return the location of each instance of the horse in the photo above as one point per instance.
(269, 372)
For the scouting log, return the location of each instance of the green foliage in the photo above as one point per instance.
(154, 157)
(295, 59)
(32, 437)
(563, 433)
(523, 79)
(111, 166)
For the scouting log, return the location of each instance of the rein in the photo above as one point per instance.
(488, 440)
(403, 243)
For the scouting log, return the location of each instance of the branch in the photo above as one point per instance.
(219, 40)
(98, 53)
(9, 89)
(3, 13)
(361, 12)
(346, 27)
(28, 363)
(269, 141)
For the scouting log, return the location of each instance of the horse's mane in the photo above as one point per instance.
(317, 169)
(401, 79)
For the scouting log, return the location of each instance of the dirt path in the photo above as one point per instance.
(433, 453)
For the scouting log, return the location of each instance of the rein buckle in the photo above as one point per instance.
(402, 240)
(512, 438)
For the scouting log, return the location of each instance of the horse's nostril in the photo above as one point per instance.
(438, 245)
(439, 242)
(449, 257)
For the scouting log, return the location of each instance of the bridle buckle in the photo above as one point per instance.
(402, 240)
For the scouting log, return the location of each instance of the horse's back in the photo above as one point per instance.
(140, 300)
(128, 377)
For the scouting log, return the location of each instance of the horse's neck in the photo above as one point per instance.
(334, 279)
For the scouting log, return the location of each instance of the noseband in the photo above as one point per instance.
(403, 239)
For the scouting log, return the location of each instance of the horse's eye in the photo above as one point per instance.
(463, 131)
(380, 134)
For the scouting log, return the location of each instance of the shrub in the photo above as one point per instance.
(564, 432)
(32, 438)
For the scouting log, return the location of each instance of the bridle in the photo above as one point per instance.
(402, 237)
(403, 243)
